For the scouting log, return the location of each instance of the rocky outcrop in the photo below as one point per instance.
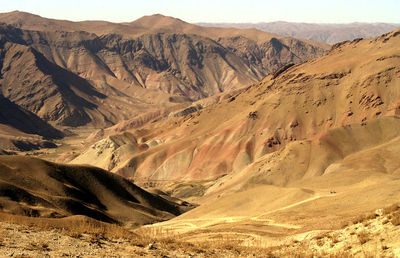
(180, 64)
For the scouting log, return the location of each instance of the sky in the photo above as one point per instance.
(232, 11)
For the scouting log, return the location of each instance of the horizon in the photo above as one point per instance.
(253, 11)
(203, 22)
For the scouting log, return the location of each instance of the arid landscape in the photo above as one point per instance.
(163, 138)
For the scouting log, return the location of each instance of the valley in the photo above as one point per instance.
(160, 137)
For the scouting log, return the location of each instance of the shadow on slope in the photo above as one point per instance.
(25, 121)
(34, 187)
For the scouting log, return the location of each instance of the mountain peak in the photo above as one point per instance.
(19, 14)
(158, 20)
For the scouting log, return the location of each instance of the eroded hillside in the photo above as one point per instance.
(308, 113)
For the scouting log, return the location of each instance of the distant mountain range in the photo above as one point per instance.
(323, 32)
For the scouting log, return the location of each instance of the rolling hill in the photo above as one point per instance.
(33, 187)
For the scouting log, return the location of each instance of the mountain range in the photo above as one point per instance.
(67, 75)
(330, 33)
(331, 96)
(210, 133)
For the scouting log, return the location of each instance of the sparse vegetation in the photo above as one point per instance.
(253, 115)
(364, 217)
(390, 209)
(71, 227)
(40, 246)
(395, 220)
(363, 237)
(243, 211)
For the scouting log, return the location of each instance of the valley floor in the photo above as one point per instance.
(375, 234)
(22, 241)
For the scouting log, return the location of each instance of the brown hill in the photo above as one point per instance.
(309, 149)
(38, 188)
(34, 83)
(21, 130)
(351, 91)
(32, 78)
(16, 117)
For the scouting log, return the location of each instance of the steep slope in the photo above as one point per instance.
(304, 156)
(169, 51)
(180, 64)
(54, 76)
(35, 187)
(329, 33)
(357, 82)
(23, 130)
(100, 81)
(32, 82)
(24, 121)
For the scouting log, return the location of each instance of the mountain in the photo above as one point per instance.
(38, 188)
(293, 50)
(67, 75)
(23, 130)
(289, 160)
(294, 124)
(322, 32)
(150, 24)
(309, 149)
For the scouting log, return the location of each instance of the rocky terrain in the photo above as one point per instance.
(73, 74)
(323, 32)
(375, 234)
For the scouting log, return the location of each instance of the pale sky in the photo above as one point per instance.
(238, 11)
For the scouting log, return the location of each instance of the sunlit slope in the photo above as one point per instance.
(355, 84)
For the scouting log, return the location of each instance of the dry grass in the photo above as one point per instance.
(165, 239)
(162, 240)
(72, 226)
(364, 218)
(158, 239)
(363, 237)
(391, 209)
(395, 220)
(3, 235)
(39, 246)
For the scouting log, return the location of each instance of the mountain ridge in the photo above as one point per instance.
(323, 32)
(140, 74)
